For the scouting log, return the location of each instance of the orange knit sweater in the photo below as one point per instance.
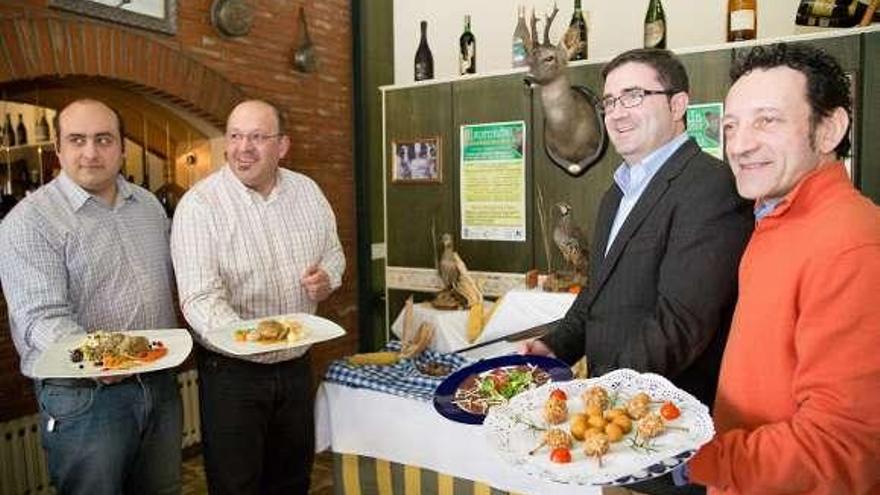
(798, 404)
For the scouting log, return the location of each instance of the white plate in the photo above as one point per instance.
(508, 431)
(55, 361)
(319, 329)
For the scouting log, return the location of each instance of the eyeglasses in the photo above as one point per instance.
(254, 137)
(631, 98)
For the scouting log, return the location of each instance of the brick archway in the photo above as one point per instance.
(39, 47)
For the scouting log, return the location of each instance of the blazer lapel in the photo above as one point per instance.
(642, 209)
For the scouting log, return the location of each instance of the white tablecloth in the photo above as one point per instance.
(518, 310)
(407, 431)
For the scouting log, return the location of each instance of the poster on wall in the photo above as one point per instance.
(704, 126)
(493, 181)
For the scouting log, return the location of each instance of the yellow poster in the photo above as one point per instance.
(493, 181)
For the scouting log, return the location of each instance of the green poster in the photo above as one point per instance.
(704, 126)
(493, 181)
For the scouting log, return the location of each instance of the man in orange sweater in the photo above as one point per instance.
(798, 402)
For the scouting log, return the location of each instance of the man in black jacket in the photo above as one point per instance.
(668, 239)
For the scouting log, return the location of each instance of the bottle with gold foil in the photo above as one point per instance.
(655, 25)
(579, 25)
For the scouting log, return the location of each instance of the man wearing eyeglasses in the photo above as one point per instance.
(254, 240)
(669, 235)
(89, 251)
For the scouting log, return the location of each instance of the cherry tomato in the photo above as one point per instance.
(558, 395)
(574, 289)
(560, 455)
(500, 379)
(669, 411)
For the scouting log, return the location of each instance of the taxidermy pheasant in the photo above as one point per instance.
(459, 287)
(570, 240)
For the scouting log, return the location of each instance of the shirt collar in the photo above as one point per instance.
(77, 196)
(632, 177)
(248, 193)
(811, 186)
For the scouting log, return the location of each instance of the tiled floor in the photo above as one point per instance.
(322, 475)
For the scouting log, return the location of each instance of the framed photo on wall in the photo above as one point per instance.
(155, 15)
(416, 161)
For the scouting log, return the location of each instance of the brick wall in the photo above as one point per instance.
(206, 73)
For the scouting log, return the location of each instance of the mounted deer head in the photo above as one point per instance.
(574, 134)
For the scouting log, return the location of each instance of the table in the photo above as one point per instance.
(518, 310)
(409, 432)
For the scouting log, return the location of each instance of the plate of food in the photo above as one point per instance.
(468, 394)
(274, 333)
(104, 353)
(621, 428)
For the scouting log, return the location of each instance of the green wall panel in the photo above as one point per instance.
(486, 100)
(412, 208)
(869, 104)
(583, 193)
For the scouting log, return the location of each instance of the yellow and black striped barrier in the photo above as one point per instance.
(359, 475)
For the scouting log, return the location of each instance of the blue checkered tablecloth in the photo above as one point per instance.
(403, 378)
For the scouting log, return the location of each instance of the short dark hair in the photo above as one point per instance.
(827, 85)
(120, 124)
(670, 71)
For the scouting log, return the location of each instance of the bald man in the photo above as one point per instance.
(89, 251)
(250, 241)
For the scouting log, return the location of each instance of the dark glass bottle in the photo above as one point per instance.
(41, 128)
(424, 63)
(580, 26)
(7, 133)
(21, 131)
(467, 49)
(655, 25)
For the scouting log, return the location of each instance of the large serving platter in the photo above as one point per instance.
(55, 361)
(444, 397)
(318, 330)
(514, 429)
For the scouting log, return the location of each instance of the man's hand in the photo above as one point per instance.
(316, 282)
(535, 347)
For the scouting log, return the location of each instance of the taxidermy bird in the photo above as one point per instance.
(570, 240)
(459, 288)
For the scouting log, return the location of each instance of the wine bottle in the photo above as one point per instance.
(742, 20)
(21, 131)
(580, 27)
(41, 128)
(468, 49)
(655, 25)
(424, 65)
(522, 40)
(7, 136)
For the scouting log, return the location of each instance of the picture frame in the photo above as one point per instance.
(418, 160)
(154, 15)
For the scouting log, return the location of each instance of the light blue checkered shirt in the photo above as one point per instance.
(69, 263)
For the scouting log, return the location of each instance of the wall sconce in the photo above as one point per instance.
(190, 159)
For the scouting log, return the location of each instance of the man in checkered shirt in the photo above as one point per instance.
(89, 251)
(253, 240)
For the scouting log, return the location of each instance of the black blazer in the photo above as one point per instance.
(662, 299)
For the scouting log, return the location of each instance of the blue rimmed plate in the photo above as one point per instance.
(445, 395)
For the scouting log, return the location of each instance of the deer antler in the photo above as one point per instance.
(534, 23)
(549, 22)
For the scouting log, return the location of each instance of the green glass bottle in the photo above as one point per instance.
(579, 25)
(655, 25)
